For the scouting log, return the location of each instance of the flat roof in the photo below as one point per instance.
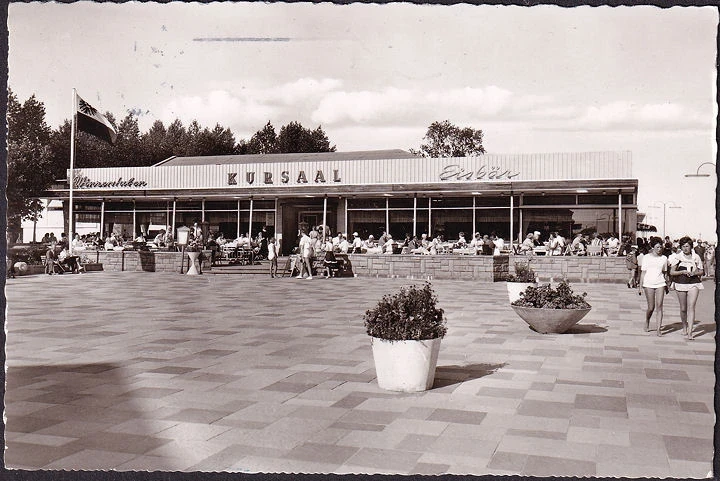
(294, 157)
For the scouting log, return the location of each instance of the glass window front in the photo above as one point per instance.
(366, 203)
(549, 200)
(366, 222)
(570, 222)
(486, 201)
(447, 202)
(488, 221)
(450, 222)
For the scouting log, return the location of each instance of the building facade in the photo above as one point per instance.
(365, 192)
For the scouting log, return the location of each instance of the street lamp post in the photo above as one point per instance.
(665, 205)
(697, 173)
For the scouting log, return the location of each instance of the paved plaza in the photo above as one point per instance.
(147, 371)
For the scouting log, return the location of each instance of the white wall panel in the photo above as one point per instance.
(506, 168)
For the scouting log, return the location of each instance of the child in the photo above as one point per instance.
(272, 257)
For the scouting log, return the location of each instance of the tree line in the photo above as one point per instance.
(39, 155)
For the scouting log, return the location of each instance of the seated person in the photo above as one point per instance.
(72, 263)
(140, 238)
(528, 245)
(111, 242)
(78, 244)
(488, 246)
(160, 238)
(220, 239)
(344, 245)
(370, 243)
(51, 258)
(461, 243)
(356, 243)
(389, 245)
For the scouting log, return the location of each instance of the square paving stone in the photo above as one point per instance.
(668, 374)
(549, 466)
(545, 409)
(325, 453)
(689, 449)
(601, 403)
(457, 416)
(508, 461)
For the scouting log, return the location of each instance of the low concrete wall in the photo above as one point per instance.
(147, 261)
(488, 268)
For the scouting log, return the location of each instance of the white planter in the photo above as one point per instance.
(192, 271)
(515, 288)
(405, 366)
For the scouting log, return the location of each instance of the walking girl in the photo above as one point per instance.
(686, 270)
(653, 280)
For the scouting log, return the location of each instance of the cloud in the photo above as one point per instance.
(396, 106)
(624, 115)
(323, 101)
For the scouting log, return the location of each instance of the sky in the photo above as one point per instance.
(534, 79)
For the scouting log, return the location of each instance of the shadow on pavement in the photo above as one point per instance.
(585, 329)
(450, 375)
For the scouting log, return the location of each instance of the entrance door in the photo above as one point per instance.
(308, 220)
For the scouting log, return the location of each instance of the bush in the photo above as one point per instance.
(546, 297)
(411, 314)
(32, 255)
(523, 273)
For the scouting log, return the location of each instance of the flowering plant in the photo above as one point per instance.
(411, 314)
(546, 297)
(523, 273)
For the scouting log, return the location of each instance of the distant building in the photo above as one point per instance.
(366, 192)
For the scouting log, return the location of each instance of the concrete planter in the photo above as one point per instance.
(515, 288)
(405, 366)
(547, 321)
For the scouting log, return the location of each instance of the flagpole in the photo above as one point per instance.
(71, 176)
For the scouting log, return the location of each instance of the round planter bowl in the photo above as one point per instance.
(405, 366)
(515, 288)
(547, 321)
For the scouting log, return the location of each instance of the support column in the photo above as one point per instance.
(512, 218)
(387, 215)
(430, 235)
(102, 219)
(346, 217)
(415, 215)
(202, 211)
(473, 218)
(324, 218)
(134, 231)
(172, 227)
(237, 234)
(250, 219)
(620, 216)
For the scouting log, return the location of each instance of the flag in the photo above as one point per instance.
(91, 121)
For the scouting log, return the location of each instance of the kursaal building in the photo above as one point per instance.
(366, 192)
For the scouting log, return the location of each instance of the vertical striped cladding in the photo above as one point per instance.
(512, 167)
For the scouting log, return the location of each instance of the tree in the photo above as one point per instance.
(29, 160)
(153, 143)
(263, 141)
(175, 141)
(294, 137)
(448, 140)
